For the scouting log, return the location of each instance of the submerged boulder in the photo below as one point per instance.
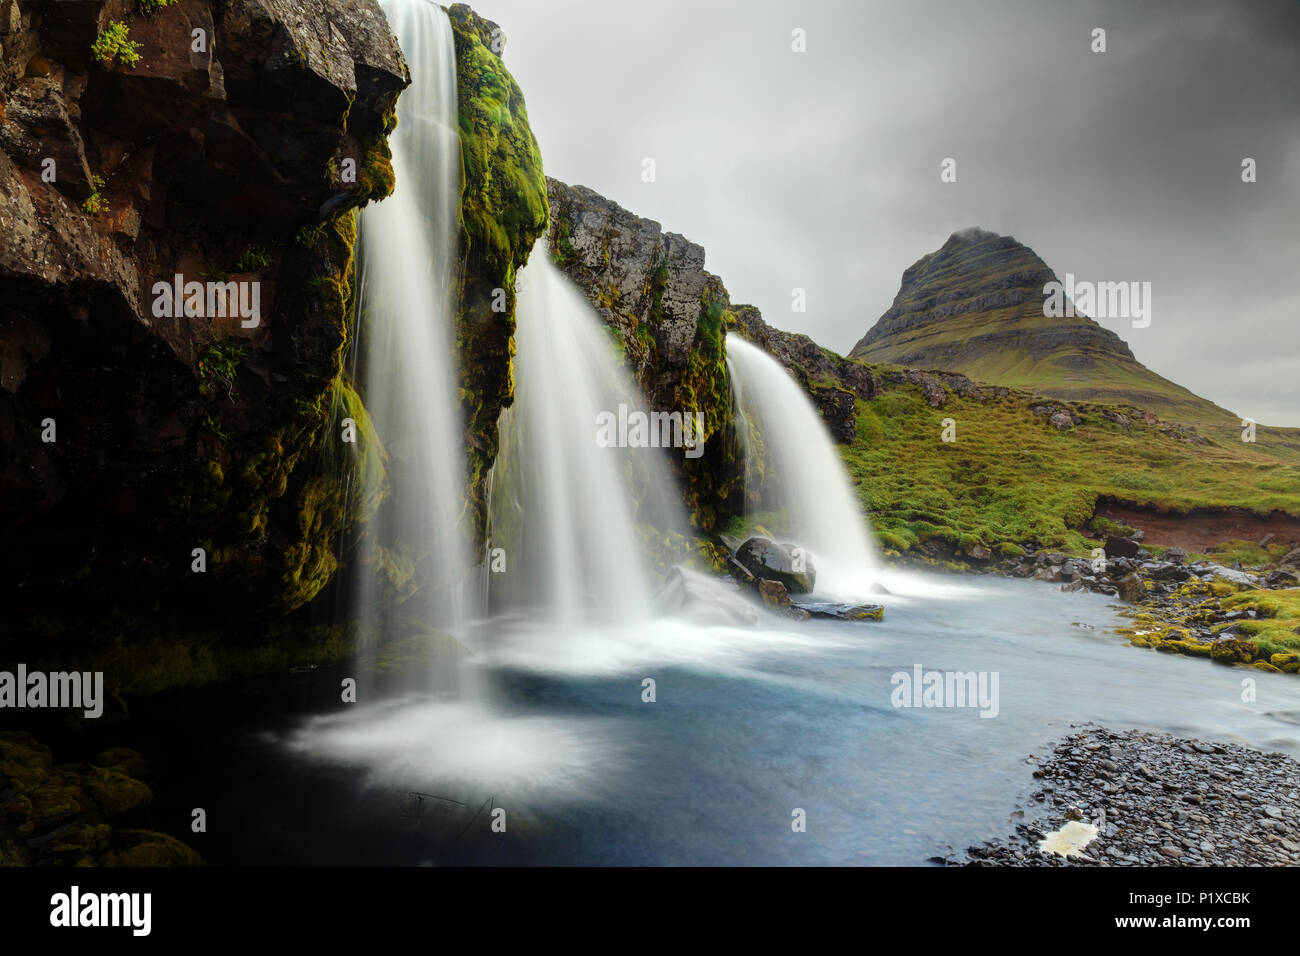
(704, 599)
(787, 563)
(844, 612)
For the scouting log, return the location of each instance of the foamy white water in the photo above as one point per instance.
(465, 747)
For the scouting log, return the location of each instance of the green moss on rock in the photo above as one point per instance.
(503, 200)
(60, 815)
(504, 211)
(147, 848)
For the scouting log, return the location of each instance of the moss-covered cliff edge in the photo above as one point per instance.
(504, 211)
(159, 468)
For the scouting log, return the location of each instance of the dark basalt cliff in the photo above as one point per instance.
(128, 438)
(671, 318)
(976, 306)
(223, 141)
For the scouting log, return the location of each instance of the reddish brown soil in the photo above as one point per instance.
(1203, 530)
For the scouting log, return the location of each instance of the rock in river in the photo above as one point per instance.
(845, 612)
(1131, 588)
(787, 563)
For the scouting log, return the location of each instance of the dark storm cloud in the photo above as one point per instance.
(821, 170)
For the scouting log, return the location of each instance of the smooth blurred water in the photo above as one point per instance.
(750, 724)
(563, 507)
(405, 345)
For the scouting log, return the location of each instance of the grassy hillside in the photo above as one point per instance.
(1063, 372)
(1010, 477)
(976, 307)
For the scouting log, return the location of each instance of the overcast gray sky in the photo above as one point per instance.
(820, 170)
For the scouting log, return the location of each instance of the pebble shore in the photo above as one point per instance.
(1160, 801)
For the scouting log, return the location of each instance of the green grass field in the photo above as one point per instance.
(1010, 478)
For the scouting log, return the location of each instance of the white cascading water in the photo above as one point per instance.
(457, 743)
(812, 493)
(561, 504)
(406, 307)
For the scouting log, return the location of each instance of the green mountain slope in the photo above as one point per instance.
(976, 307)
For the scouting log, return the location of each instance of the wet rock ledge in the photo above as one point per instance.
(1166, 802)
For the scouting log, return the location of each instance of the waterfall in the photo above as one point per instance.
(562, 506)
(806, 484)
(569, 515)
(405, 339)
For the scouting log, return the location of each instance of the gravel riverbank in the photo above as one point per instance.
(1157, 800)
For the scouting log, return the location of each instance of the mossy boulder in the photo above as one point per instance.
(1191, 648)
(1287, 661)
(1131, 588)
(1141, 638)
(773, 593)
(148, 848)
(61, 814)
(1232, 651)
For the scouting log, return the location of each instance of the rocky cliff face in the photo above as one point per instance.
(976, 306)
(667, 314)
(222, 141)
(833, 382)
(671, 318)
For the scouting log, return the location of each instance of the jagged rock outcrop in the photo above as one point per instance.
(671, 318)
(647, 284)
(976, 306)
(235, 149)
(503, 212)
(833, 382)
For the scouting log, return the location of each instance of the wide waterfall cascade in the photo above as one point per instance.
(405, 338)
(563, 507)
(809, 488)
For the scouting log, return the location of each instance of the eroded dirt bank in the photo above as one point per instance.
(1202, 531)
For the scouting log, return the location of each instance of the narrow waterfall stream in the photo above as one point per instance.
(812, 496)
(562, 506)
(405, 339)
